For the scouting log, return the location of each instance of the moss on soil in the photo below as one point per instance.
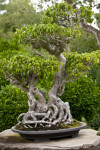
(74, 124)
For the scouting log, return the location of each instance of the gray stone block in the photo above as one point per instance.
(13, 141)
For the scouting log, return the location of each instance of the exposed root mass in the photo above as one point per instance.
(50, 116)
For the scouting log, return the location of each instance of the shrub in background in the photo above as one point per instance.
(86, 42)
(11, 47)
(95, 123)
(13, 101)
(3, 81)
(6, 44)
(83, 97)
(94, 73)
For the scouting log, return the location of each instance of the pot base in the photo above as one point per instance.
(50, 134)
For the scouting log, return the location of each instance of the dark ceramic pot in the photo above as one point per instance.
(50, 134)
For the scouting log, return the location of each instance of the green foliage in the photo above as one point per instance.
(46, 36)
(8, 49)
(11, 47)
(95, 122)
(83, 97)
(13, 101)
(94, 73)
(8, 44)
(41, 32)
(18, 13)
(97, 16)
(2, 1)
(3, 81)
(59, 9)
(38, 30)
(86, 13)
(64, 15)
(86, 42)
(78, 64)
(64, 10)
(2, 5)
(22, 68)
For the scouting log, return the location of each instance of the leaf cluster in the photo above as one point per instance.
(8, 44)
(51, 37)
(23, 68)
(63, 13)
(53, 13)
(41, 31)
(78, 64)
(86, 13)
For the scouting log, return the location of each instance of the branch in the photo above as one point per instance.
(59, 78)
(37, 53)
(32, 84)
(39, 95)
(91, 29)
(16, 83)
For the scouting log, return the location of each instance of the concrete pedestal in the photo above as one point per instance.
(13, 141)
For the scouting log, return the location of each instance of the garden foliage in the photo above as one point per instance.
(84, 98)
(13, 101)
(94, 74)
(86, 42)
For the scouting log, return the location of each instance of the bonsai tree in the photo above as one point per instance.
(27, 72)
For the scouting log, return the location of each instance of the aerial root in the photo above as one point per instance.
(19, 117)
(56, 114)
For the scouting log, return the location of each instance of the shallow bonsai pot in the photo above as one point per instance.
(50, 134)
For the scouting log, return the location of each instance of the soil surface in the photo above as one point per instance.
(74, 124)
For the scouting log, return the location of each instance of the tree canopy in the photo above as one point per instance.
(51, 37)
(20, 70)
(64, 14)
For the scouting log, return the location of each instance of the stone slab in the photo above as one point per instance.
(13, 141)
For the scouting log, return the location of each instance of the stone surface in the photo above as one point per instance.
(13, 141)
